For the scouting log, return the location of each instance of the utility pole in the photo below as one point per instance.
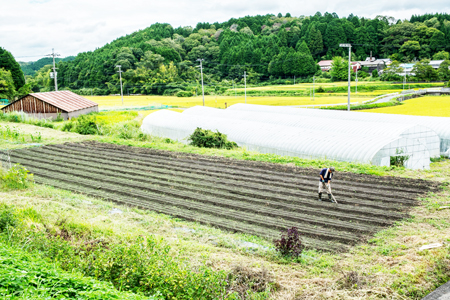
(245, 82)
(234, 89)
(201, 71)
(294, 79)
(349, 46)
(120, 76)
(54, 68)
(314, 90)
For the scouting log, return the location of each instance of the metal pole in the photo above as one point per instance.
(294, 79)
(356, 91)
(349, 66)
(245, 85)
(54, 67)
(234, 89)
(54, 70)
(201, 72)
(120, 76)
(314, 90)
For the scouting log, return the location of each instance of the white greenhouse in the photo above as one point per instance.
(440, 125)
(425, 135)
(266, 137)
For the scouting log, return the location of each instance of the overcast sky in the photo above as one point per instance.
(31, 28)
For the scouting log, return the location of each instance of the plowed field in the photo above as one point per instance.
(251, 197)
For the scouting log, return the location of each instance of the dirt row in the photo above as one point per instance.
(231, 195)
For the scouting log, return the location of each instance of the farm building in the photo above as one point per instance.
(51, 104)
(265, 137)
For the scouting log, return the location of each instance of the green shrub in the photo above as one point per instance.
(399, 160)
(320, 90)
(69, 126)
(7, 218)
(86, 124)
(23, 276)
(375, 73)
(184, 94)
(16, 178)
(208, 139)
(45, 123)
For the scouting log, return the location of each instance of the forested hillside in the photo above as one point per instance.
(29, 68)
(164, 60)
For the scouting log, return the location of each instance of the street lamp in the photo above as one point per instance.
(349, 46)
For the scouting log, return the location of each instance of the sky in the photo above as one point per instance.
(29, 29)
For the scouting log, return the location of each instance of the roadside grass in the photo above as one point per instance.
(436, 106)
(389, 265)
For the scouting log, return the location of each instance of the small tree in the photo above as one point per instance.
(375, 73)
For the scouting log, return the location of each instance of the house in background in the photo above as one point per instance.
(51, 104)
(325, 65)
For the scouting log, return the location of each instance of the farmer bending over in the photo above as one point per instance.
(325, 178)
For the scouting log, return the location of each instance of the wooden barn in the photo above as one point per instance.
(51, 104)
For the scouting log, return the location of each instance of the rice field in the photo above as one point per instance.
(435, 106)
(216, 101)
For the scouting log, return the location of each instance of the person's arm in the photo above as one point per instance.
(321, 177)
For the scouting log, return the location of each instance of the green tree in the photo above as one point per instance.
(410, 49)
(424, 71)
(7, 90)
(334, 36)
(437, 41)
(315, 42)
(392, 72)
(444, 71)
(8, 63)
(339, 68)
(441, 55)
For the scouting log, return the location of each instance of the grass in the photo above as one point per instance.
(436, 106)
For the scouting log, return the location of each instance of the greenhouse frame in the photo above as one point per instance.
(425, 135)
(440, 125)
(285, 140)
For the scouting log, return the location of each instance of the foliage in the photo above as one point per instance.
(339, 69)
(16, 178)
(399, 160)
(140, 264)
(184, 94)
(290, 243)
(7, 89)
(205, 138)
(8, 63)
(364, 106)
(86, 124)
(24, 276)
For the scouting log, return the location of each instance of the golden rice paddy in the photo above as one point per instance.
(435, 106)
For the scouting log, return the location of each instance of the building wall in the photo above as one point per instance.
(76, 113)
(41, 110)
(32, 106)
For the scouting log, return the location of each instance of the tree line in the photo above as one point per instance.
(163, 60)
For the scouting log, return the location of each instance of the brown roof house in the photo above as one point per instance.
(51, 104)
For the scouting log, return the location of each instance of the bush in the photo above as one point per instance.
(320, 90)
(208, 139)
(185, 94)
(290, 243)
(59, 118)
(16, 178)
(69, 126)
(7, 218)
(86, 124)
(375, 73)
(44, 123)
(399, 160)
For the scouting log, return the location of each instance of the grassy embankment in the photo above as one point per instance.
(387, 266)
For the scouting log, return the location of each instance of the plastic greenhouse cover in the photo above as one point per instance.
(338, 126)
(440, 125)
(290, 141)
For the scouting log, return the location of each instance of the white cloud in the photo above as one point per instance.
(34, 27)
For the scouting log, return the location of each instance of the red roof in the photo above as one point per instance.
(65, 100)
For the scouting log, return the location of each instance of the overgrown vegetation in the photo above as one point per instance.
(15, 178)
(205, 138)
(138, 264)
(290, 243)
